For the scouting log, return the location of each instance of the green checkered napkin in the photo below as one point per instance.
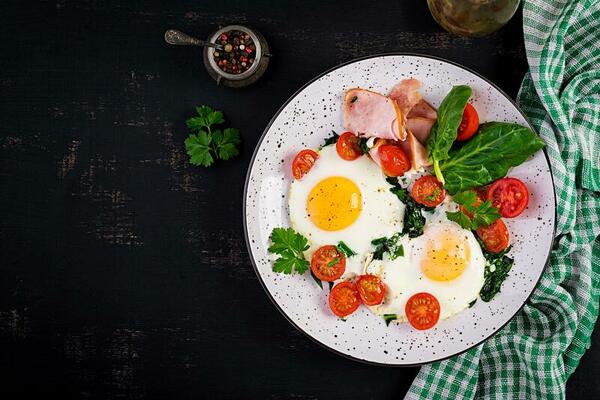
(534, 354)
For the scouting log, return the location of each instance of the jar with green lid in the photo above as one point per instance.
(472, 17)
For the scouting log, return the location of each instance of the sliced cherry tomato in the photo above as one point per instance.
(328, 263)
(347, 146)
(344, 299)
(394, 160)
(428, 191)
(494, 236)
(303, 162)
(509, 195)
(371, 289)
(469, 123)
(422, 310)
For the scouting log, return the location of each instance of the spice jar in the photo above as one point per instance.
(241, 59)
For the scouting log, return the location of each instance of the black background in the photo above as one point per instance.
(123, 269)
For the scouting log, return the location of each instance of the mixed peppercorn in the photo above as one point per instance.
(238, 53)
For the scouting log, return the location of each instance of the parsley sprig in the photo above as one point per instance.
(483, 214)
(290, 246)
(206, 144)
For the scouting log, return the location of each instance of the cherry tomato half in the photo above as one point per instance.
(422, 311)
(344, 299)
(428, 191)
(469, 123)
(509, 195)
(347, 146)
(394, 160)
(371, 289)
(328, 263)
(494, 236)
(303, 162)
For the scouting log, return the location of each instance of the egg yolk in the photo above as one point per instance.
(446, 257)
(334, 203)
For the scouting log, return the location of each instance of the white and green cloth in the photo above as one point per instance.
(533, 356)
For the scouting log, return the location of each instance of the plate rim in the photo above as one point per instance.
(245, 196)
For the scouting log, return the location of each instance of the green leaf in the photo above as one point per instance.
(290, 245)
(226, 143)
(460, 218)
(389, 318)
(497, 267)
(388, 245)
(331, 139)
(414, 221)
(444, 130)
(497, 147)
(198, 148)
(333, 262)
(317, 280)
(485, 214)
(362, 143)
(343, 247)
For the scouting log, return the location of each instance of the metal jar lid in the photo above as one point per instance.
(252, 74)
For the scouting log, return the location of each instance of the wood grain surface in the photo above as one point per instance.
(123, 270)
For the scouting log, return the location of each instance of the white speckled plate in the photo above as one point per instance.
(304, 121)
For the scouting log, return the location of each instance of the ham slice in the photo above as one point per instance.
(418, 152)
(420, 127)
(367, 114)
(422, 109)
(406, 94)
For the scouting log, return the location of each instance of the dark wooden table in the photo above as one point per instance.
(123, 269)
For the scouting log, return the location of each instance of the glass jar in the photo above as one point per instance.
(472, 17)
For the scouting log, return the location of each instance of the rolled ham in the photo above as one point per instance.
(422, 109)
(418, 152)
(420, 127)
(406, 94)
(368, 114)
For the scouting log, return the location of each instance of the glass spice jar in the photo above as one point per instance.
(472, 17)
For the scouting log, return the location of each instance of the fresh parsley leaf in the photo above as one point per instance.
(205, 145)
(331, 139)
(290, 245)
(389, 318)
(198, 148)
(483, 214)
(460, 218)
(343, 247)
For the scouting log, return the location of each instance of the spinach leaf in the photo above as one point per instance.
(444, 130)
(489, 155)
(343, 248)
(414, 221)
(497, 267)
(388, 245)
(331, 139)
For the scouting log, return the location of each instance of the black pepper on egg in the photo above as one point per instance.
(238, 52)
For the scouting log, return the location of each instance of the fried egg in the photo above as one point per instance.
(349, 201)
(446, 261)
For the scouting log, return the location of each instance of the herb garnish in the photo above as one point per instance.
(207, 144)
(333, 262)
(290, 245)
(331, 139)
(343, 248)
(497, 267)
(414, 221)
(362, 143)
(389, 318)
(483, 214)
(388, 245)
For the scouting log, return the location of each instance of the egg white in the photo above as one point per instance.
(382, 212)
(403, 276)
